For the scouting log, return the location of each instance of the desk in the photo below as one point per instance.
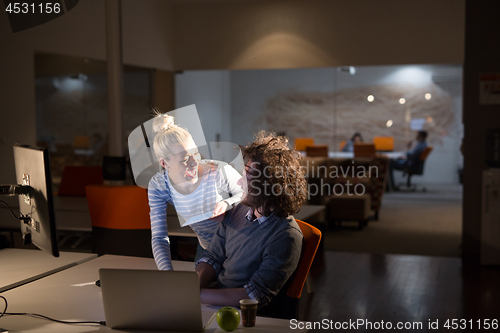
(311, 214)
(390, 154)
(21, 266)
(72, 295)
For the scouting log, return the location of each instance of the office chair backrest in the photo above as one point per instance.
(383, 143)
(302, 143)
(317, 150)
(120, 220)
(418, 167)
(425, 153)
(75, 178)
(312, 237)
(342, 144)
(364, 150)
(81, 142)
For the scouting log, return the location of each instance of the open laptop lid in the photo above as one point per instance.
(151, 300)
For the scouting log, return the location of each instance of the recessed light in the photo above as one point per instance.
(428, 96)
(402, 101)
(370, 98)
(389, 123)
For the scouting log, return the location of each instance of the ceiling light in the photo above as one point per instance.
(370, 98)
(402, 101)
(428, 96)
(389, 123)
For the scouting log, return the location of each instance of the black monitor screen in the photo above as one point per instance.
(33, 169)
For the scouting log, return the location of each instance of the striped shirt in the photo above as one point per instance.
(218, 183)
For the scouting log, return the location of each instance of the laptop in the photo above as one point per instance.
(151, 299)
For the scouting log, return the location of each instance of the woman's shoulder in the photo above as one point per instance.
(159, 180)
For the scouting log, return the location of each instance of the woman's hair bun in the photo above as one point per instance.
(163, 123)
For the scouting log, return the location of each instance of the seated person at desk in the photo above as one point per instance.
(257, 246)
(349, 145)
(412, 156)
(192, 185)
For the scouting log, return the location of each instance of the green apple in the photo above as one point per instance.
(228, 318)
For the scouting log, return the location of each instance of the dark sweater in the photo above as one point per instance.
(259, 255)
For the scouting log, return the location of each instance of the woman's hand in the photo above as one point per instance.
(219, 210)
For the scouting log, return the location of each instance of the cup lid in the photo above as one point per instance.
(248, 301)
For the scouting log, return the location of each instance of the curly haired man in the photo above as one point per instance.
(257, 246)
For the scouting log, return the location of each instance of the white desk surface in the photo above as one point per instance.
(342, 154)
(72, 295)
(20, 266)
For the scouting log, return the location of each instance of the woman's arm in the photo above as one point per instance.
(229, 178)
(159, 195)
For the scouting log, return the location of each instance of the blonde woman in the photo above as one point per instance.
(192, 185)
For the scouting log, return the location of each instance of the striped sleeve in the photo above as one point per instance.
(159, 196)
(227, 179)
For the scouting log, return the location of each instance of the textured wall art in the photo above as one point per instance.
(330, 117)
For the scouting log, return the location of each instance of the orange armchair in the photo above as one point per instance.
(287, 305)
(364, 150)
(120, 220)
(302, 143)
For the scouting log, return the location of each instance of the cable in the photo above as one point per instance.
(24, 218)
(5, 300)
(39, 316)
(6, 204)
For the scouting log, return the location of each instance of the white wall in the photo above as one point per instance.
(210, 92)
(317, 33)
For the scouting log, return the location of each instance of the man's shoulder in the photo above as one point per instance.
(294, 226)
(287, 226)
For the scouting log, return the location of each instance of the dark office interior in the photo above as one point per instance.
(418, 257)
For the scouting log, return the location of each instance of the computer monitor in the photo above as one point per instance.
(33, 169)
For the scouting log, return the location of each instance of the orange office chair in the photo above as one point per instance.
(287, 305)
(317, 151)
(417, 169)
(383, 143)
(81, 142)
(364, 150)
(120, 220)
(342, 144)
(302, 143)
(75, 178)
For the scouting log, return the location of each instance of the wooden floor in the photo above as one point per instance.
(400, 288)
